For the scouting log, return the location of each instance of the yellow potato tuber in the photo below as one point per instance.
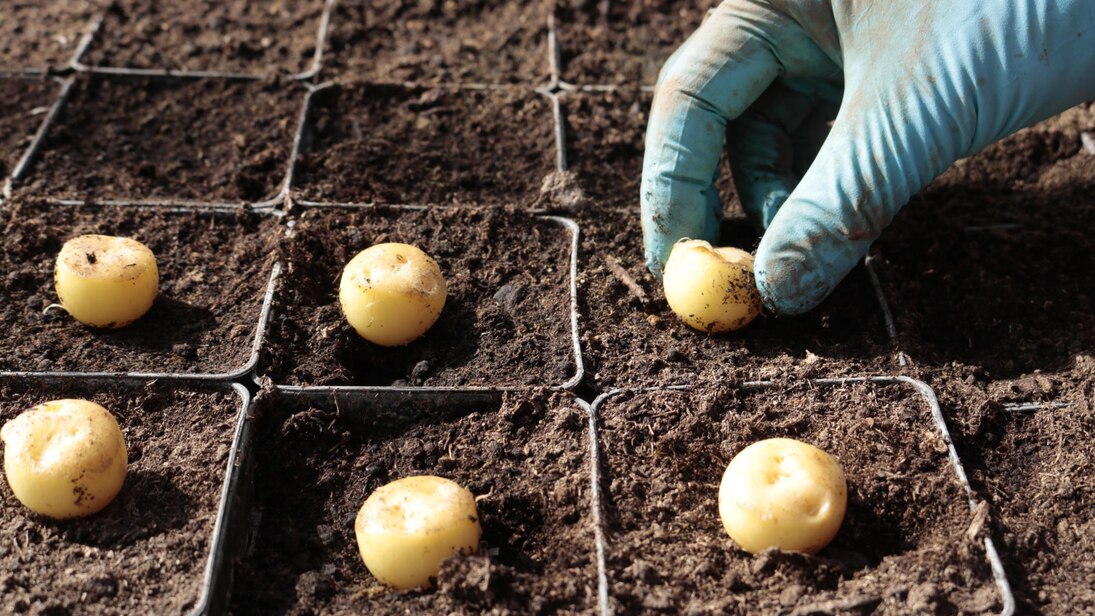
(106, 281)
(711, 289)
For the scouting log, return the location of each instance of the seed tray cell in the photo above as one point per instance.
(210, 140)
(1037, 470)
(24, 104)
(507, 321)
(152, 550)
(465, 41)
(216, 271)
(316, 458)
(39, 36)
(396, 145)
(631, 338)
(904, 546)
(197, 36)
(618, 42)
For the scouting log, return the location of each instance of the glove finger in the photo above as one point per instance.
(760, 148)
(883, 147)
(714, 76)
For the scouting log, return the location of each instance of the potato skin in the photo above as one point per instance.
(711, 289)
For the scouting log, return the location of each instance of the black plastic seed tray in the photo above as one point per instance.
(85, 154)
(30, 102)
(311, 458)
(180, 336)
(309, 345)
(100, 35)
(161, 546)
(662, 460)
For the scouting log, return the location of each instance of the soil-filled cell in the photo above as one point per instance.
(234, 36)
(626, 45)
(1037, 471)
(214, 271)
(902, 548)
(23, 106)
(41, 35)
(147, 551)
(316, 463)
(992, 266)
(205, 140)
(465, 41)
(506, 320)
(631, 338)
(388, 144)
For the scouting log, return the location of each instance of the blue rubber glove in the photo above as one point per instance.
(918, 84)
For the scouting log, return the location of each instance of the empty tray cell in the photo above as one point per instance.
(24, 104)
(214, 271)
(207, 140)
(903, 546)
(1037, 470)
(388, 144)
(631, 338)
(37, 35)
(317, 461)
(506, 320)
(627, 44)
(148, 551)
(233, 36)
(493, 41)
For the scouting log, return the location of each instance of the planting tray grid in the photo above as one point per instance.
(306, 134)
(382, 409)
(921, 389)
(19, 169)
(81, 46)
(568, 225)
(96, 31)
(216, 573)
(25, 167)
(240, 373)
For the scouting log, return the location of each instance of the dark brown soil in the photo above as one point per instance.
(1037, 469)
(315, 465)
(23, 106)
(234, 36)
(214, 271)
(506, 320)
(146, 552)
(628, 342)
(434, 41)
(41, 35)
(626, 45)
(903, 547)
(1012, 300)
(208, 140)
(388, 144)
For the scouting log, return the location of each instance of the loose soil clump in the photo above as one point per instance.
(506, 320)
(214, 271)
(228, 36)
(146, 552)
(903, 547)
(628, 44)
(203, 139)
(1037, 470)
(466, 41)
(316, 464)
(41, 35)
(394, 145)
(23, 104)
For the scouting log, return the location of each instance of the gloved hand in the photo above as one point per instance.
(919, 84)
